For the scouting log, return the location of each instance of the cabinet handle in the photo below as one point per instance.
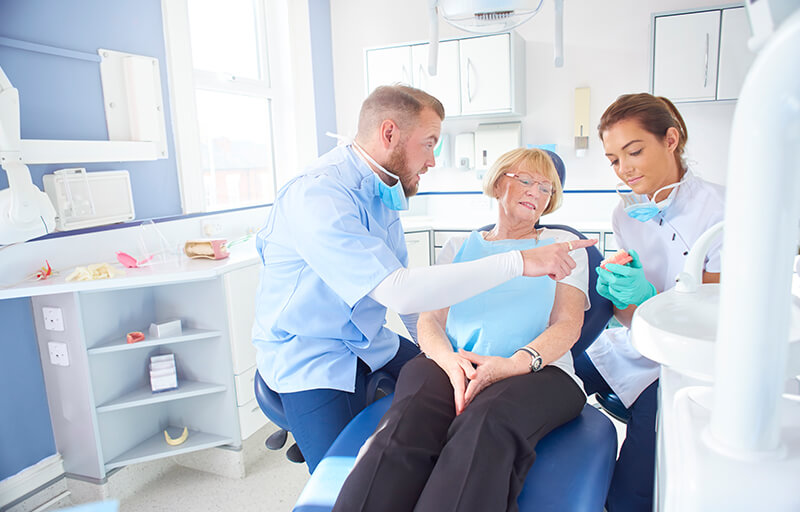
(705, 78)
(469, 82)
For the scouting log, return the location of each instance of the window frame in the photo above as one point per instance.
(184, 81)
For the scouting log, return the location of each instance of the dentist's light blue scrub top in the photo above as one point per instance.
(327, 243)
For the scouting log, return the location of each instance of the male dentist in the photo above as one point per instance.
(334, 258)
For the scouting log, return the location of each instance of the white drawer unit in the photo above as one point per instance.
(418, 244)
(245, 386)
(240, 289)
(250, 418)
(609, 244)
(441, 237)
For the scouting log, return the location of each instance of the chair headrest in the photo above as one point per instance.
(559, 164)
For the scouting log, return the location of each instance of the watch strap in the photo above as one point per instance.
(536, 358)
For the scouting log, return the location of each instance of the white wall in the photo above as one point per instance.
(606, 47)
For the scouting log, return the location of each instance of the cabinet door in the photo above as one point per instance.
(685, 56)
(386, 66)
(419, 249)
(445, 85)
(734, 55)
(485, 74)
(240, 290)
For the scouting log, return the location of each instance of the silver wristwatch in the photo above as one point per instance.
(536, 359)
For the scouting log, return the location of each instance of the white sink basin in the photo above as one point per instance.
(680, 330)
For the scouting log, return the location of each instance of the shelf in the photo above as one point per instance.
(155, 447)
(145, 396)
(121, 344)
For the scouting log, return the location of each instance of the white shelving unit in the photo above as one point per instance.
(103, 411)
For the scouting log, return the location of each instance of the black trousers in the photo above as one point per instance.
(423, 457)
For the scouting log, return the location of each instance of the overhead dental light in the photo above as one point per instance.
(489, 17)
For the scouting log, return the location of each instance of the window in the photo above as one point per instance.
(222, 102)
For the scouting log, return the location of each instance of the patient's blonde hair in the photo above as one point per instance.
(525, 160)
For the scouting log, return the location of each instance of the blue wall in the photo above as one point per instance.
(26, 436)
(61, 98)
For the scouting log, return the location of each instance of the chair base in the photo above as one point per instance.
(277, 439)
(295, 455)
(613, 406)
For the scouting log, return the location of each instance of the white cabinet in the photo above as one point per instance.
(445, 84)
(735, 57)
(386, 66)
(103, 411)
(418, 244)
(481, 75)
(700, 56)
(685, 58)
(486, 74)
(240, 297)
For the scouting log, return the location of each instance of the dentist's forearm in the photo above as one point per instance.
(414, 290)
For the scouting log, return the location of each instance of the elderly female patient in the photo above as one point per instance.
(462, 430)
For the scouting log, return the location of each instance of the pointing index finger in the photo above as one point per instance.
(581, 243)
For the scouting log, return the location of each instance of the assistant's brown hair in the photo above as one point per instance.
(655, 114)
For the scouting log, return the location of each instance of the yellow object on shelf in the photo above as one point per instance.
(94, 271)
(178, 440)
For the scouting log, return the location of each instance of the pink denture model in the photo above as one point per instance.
(620, 258)
(213, 249)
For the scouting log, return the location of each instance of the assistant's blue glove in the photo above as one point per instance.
(626, 283)
(602, 288)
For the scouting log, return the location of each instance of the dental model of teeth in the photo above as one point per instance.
(178, 440)
(619, 258)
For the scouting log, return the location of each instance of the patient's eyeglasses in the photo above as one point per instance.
(545, 187)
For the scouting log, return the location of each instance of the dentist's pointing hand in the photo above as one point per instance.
(552, 260)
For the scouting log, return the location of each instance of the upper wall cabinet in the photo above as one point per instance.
(475, 76)
(700, 56)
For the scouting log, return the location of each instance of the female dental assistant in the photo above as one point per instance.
(668, 209)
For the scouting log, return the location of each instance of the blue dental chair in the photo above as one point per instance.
(574, 463)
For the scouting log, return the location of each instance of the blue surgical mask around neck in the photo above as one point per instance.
(643, 208)
(394, 197)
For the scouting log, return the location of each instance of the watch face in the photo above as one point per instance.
(536, 364)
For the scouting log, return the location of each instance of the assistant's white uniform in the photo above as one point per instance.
(662, 244)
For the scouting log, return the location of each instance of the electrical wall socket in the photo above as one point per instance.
(211, 228)
(53, 319)
(58, 353)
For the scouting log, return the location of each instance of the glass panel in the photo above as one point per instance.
(236, 144)
(224, 37)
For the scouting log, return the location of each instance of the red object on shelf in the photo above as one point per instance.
(135, 336)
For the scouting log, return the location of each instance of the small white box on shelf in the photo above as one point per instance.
(163, 375)
(166, 329)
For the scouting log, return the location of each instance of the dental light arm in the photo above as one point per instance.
(25, 211)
